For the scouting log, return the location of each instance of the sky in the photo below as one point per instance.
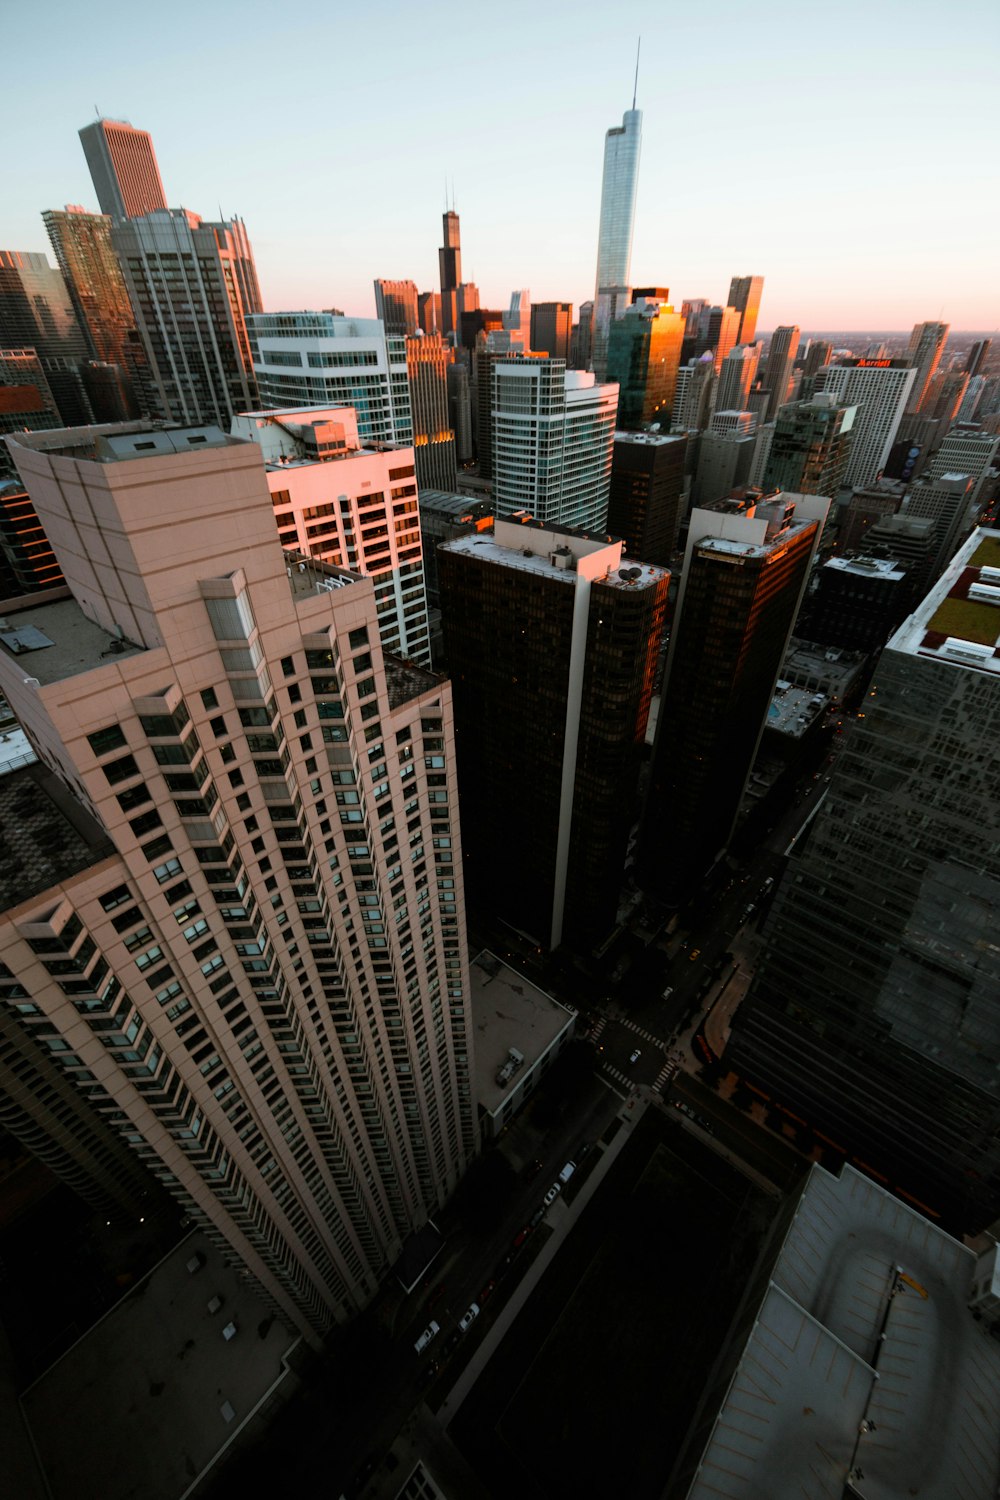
(845, 152)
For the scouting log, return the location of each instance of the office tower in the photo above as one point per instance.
(969, 404)
(94, 280)
(811, 447)
(864, 509)
(725, 454)
(927, 343)
(692, 395)
(427, 360)
(644, 352)
(745, 293)
(974, 453)
(907, 540)
(551, 640)
(977, 356)
(944, 395)
(497, 344)
(694, 311)
(350, 506)
(647, 493)
(581, 341)
(763, 441)
(818, 354)
(737, 374)
(36, 313)
(879, 389)
(948, 501)
(122, 166)
(25, 550)
(460, 410)
(552, 437)
(450, 266)
(857, 604)
(396, 307)
(873, 1011)
(324, 359)
(443, 517)
(720, 332)
(777, 372)
(429, 311)
(193, 285)
(26, 402)
(517, 318)
(614, 235)
(259, 980)
(551, 327)
(742, 583)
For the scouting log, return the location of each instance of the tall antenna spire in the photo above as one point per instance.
(635, 89)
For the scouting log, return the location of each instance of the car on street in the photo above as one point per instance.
(553, 1193)
(536, 1218)
(636, 1055)
(668, 992)
(521, 1236)
(695, 953)
(430, 1332)
(469, 1318)
(487, 1292)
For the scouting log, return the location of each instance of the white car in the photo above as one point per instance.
(636, 1055)
(430, 1332)
(552, 1194)
(470, 1317)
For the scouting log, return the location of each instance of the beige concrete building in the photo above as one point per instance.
(260, 978)
(352, 505)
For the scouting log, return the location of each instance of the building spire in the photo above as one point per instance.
(635, 88)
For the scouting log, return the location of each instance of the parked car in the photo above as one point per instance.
(668, 992)
(567, 1172)
(469, 1318)
(636, 1055)
(430, 1332)
(521, 1236)
(536, 1218)
(487, 1292)
(553, 1193)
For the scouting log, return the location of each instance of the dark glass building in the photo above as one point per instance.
(36, 312)
(646, 496)
(810, 447)
(551, 326)
(644, 353)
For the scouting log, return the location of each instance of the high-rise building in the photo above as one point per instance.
(926, 346)
(720, 332)
(429, 311)
(736, 375)
(745, 293)
(123, 169)
(551, 326)
(26, 402)
(810, 447)
(692, 395)
(873, 1015)
(450, 266)
(36, 312)
(762, 444)
(259, 977)
(963, 452)
(325, 359)
(460, 410)
(350, 506)
(977, 356)
(944, 395)
(499, 343)
(517, 318)
(644, 353)
(552, 438)
(783, 348)
(193, 285)
(725, 454)
(26, 555)
(581, 340)
(969, 405)
(743, 580)
(646, 495)
(879, 388)
(427, 360)
(857, 604)
(949, 501)
(94, 280)
(551, 641)
(907, 540)
(619, 182)
(396, 307)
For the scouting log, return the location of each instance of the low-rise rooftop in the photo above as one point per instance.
(46, 835)
(57, 640)
(868, 567)
(959, 620)
(509, 1011)
(793, 710)
(406, 681)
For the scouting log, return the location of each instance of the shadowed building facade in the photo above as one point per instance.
(647, 490)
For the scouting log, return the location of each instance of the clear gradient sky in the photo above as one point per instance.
(847, 152)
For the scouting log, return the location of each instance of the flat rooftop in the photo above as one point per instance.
(959, 620)
(113, 442)
(834, 666)
(405, 681)
(868, 567)
(723, 546)
(46, 835)
(138, 1405)
(650, 439)
(863, 1360)
(54, 641)
(508, 1011)
(307, 576)
(485, 548)
(793, 710)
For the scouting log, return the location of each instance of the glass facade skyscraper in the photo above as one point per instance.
(614, 234)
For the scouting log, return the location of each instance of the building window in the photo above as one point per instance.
(209, 698)
(103, 740)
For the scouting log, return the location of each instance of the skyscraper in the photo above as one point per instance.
(552, 436)
(644, 353)
(325, 359)
(258, 978)
(927, 343)
(193, 285)
(93, 277)
(450, 266)
(551, 640)
(551, 325)
(879, 388)
(427, 361)
(620, 180)
(26, 402)
(36, 312)
(783, 348)
(646, 496)
(745, 293)
(499, 343)
(692, 395)
(722, 326)
(396, 306)
(948, 501)
(743, 580)
(874, 1012)
(123, 169)
(810, 447)
(977, 356)
(736, 375)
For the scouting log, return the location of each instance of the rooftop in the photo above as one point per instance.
(54, 641)
(45, 835)
(650, 439)
(843, 1376)
(307, 576)
(406, 681)
(794, 710)
(959, 620)
(868, 567)
(559, 563)
(161, 1364)
(508, 1011)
